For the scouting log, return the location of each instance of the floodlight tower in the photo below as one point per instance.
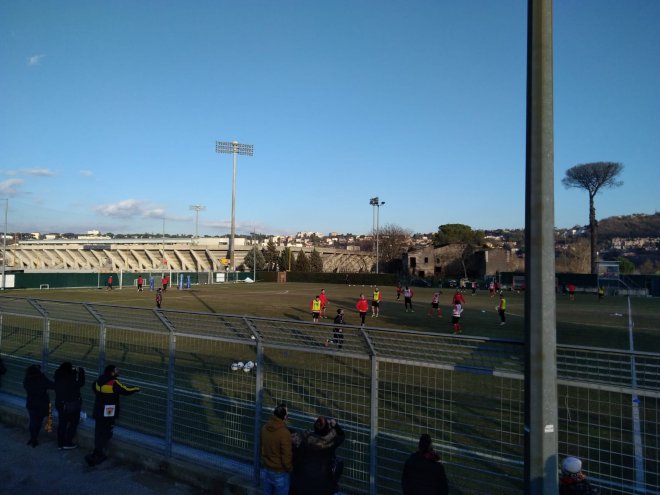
(234, 148)
(197, 209)
(376, 203)
(4, 246)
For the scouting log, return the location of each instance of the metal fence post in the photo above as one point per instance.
(169, 407)
(373, 415)
(258, 403)
(46, 336)
(102, 336)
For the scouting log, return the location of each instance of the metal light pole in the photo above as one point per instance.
(197, 209)
(4, 245)
(376, 203)
(162, 261)
(234, 148)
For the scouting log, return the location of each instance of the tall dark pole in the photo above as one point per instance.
(540, 304)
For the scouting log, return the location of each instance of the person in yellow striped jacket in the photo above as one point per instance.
(107, 390)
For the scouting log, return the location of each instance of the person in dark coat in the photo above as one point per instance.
(314, 453)
(36, 384)
(107, 390)
(68, 401)
(423, 473)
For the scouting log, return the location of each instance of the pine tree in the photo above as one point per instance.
(302, 262)
(315, 261)
(271, 255)
(284, 261)
(248, 261)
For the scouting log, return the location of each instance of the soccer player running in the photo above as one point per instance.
(407, 298)
(435, 305)
(456, 317)
(315, 306)
(362, 307)
(375, 303)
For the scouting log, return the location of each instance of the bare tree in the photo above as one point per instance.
(393, 242)
(593, 177)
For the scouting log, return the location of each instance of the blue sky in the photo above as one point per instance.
(111, 110)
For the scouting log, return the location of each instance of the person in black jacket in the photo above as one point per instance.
(36, 384)
(107, 389)
(423, 473)
(68, 382)
(314, 453)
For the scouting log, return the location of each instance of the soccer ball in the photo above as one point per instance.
(248, 366)
(234, 366)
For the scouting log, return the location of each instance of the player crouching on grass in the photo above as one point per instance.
(337, 332)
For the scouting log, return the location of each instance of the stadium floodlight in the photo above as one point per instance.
(197, 209)
(4, 246)
(234, 148)
(376, 203)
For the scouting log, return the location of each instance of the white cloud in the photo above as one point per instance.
(35, 59)
(86, 173)
(8, 187)
(129, 208)
(39, 172)
(123, 209)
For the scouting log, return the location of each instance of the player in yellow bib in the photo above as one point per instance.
(316, 309)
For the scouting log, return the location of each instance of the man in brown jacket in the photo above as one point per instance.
(276, 453)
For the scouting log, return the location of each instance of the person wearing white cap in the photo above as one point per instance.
(573, 481)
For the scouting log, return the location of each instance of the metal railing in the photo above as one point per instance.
(385, 387)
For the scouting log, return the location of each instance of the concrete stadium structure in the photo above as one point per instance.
(176, 254)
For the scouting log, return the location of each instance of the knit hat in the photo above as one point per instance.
(571, 465)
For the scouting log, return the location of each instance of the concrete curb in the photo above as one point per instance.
(124, 448)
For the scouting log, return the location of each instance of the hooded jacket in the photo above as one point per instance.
(276, 449)
(68, 383)
(424, 474)
(316, 450)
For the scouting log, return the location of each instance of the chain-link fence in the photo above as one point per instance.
(385, 387)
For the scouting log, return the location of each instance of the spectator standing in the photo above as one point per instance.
(110, 282)
(362, 307)
(68, 401)
(491, 288)
(601, 293)
(408, 294)
(573, 481)
(501, 309)
(313, 458)
(324, 303)
(375, 303)
(165, 281)
(435, 305)
(140, 282)
(315, 306)
(276, 453)
(159, 297)
(36, 384)
(456, 312)
(107, 390)
(423, 473)
(474, 287)
(399, 290)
